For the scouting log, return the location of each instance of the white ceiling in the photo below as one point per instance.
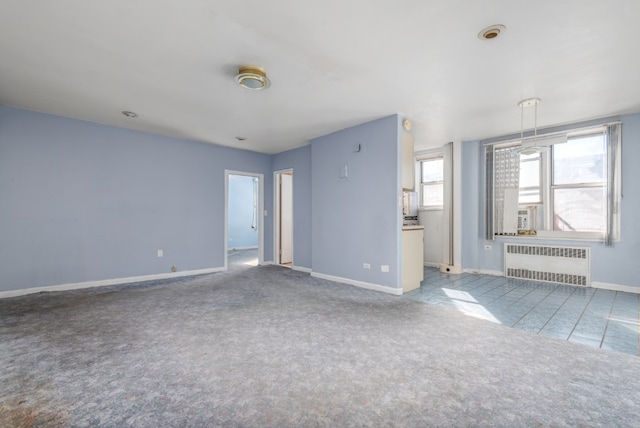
(333, 64)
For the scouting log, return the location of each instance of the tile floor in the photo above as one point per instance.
(599, 318)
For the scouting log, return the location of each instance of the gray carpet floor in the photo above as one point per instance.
(272, 347)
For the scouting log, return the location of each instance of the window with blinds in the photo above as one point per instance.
(570, 181)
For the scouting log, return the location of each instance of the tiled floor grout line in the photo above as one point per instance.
(581, 315)
(538, 286)
(606, 327)
(558, 309)
(537, 304)
(512, 288)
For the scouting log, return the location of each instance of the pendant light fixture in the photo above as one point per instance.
(252, 77)
(530, 147)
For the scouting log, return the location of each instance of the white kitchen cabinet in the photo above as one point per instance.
(412, 257)
(408, 167)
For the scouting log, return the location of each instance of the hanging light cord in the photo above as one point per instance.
(521, 123)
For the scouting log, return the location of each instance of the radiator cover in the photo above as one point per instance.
(548, 263)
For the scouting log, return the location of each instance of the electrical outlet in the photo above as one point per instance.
(160, 253)
(366, 265)
(487, 247)
(384, 268)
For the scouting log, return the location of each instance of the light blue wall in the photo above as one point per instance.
(300, 161)
(357, 220)
(613, 265)
(241, 232)
(81, 201)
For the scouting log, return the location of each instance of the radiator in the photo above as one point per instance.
(549, 263)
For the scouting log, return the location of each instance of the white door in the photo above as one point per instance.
(286, 218)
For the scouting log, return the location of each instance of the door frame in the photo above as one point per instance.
(276, 216)
(260, 213)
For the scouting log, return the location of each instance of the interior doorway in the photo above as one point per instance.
(243, 219)
(283, 218)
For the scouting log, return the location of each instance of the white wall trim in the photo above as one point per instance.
(301, 269)
(457, 204)
(276, 214)
(361, 284)
(106, 282)
(484, 271)
(615, 287)
(431, 264)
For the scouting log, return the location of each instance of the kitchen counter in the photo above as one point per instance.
(412, 257)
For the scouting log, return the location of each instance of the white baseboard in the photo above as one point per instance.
(484, 272)
(431, 264)
(106, 282)
(615, 287)
(267, 263)
(361, 284)
(301, 269)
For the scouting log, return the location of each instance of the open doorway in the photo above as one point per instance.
(283, 181)
(243, 243)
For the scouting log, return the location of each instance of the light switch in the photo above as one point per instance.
(343, 171)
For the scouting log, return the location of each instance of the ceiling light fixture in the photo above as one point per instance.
(241, 138)
(130, 114)
(532, 147)
(492, 32)
(252, 77)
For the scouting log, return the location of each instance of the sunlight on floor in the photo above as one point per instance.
(252, 262)
(459, 295)
(464, 302)
(628, 324)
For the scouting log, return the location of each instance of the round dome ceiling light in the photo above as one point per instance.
(492, 32)
(252, 77)
(130, 114)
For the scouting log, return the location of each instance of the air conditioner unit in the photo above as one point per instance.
(527, 221)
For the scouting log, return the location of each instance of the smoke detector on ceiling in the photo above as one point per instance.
(492, 32)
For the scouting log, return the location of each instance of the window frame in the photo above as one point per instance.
(546, 204)
(541, 182)
(420, 183)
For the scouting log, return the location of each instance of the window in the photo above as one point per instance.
(567, 186)
(530, 191)
(431, 183)
(578, 184)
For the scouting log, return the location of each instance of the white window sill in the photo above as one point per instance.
(559, 236)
